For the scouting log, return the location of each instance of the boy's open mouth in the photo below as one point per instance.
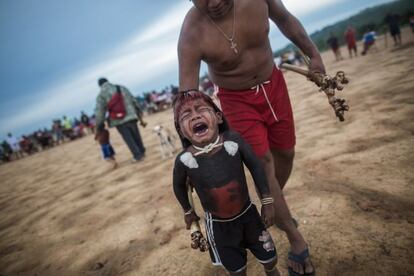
(200, 129)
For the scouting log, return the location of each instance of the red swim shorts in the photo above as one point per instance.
(262, 115)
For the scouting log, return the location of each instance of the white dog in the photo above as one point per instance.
(167, 141)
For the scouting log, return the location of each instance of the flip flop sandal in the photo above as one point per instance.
(300, 259)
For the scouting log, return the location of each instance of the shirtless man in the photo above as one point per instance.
(231, 36)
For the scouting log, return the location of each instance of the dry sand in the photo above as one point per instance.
(64, 212)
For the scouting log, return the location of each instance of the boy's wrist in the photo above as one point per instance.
(267, 200)
(188, 212)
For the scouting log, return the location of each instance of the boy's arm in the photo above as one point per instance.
(181, 193)
(260, 181)
(180, 185)
(255, 167)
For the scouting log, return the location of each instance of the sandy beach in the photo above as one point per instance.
(65, 212)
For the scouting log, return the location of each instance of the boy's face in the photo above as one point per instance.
(199, 122)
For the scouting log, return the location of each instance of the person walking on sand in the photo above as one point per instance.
(85, 122)
(108, 152)
(14, 145)
(351, 41)
(232, 38)
(369, 39)
(393, 21)
(334, 44)
(122, 107)
(412, 22)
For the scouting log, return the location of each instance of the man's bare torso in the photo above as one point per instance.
(254, 61)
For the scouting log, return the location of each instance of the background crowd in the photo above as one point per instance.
(65, 129)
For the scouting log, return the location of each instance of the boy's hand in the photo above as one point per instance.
(268, 215)
(190, 218)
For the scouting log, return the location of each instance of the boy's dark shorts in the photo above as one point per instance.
(230, 238)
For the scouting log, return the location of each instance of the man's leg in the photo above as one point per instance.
(283, 161)
(136, 135)
(282, 215)
(126, 134)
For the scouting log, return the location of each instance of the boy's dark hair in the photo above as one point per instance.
(184, 97)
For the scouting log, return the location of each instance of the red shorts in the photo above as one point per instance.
(264, 127)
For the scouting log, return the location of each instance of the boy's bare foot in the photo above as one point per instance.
(113, 163)
(271, 269)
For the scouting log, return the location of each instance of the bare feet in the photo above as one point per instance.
(113, 163)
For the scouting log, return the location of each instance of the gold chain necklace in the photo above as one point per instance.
(233, 45)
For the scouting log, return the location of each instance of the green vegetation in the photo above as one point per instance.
(371, 18)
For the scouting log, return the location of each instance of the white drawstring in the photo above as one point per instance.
(261, 85)
(209, 147)
(216, 98)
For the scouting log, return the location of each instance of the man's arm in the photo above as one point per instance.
(134, 102)
(100, 110)
(189, 59)
(294, 31)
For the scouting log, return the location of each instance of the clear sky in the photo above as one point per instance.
(53, 51)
